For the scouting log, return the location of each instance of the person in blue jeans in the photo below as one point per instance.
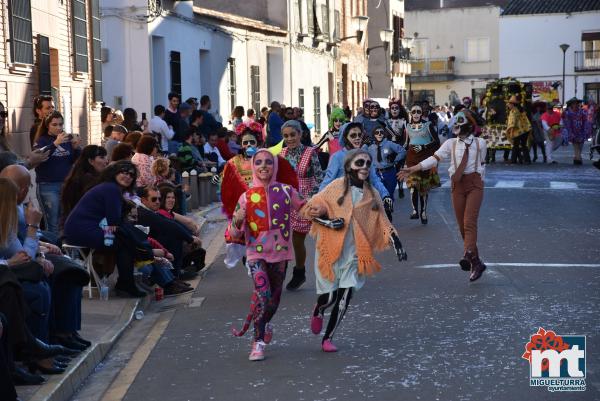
(50, 175)
(385, 155)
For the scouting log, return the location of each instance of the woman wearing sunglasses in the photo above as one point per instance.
(352, 137)
(262, 218)
(422, 142)
(237, 178)
(345, 254)
(305, 161)
(105, 201)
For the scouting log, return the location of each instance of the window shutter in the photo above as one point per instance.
(255, 87)
(96, 50)
(80, 45)
(325, 16)
(175, 64)
(336, 25)
(317, 108)
(44, 65)
(310, 16)
(21, 37)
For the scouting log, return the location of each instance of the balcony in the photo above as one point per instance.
(432, 69)
(588, 60)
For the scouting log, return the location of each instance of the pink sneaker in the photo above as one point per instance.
(258, 351)
(328, 346)
(316, 323)
(268, 333)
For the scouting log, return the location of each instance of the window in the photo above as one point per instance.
(317, 108)
(21, 38)
(44, 65)
(398, 25)
(340, 92)
(592, 91)
(301, 98)
(298, 8)
(80, 36)
(96, 50)
(424, 94)
(232, 85)
(477, 94)
(336, 25)
(477, 49)
(255, 87)
(175, 65)
(310, 16)
(420, 49)
(325, 17)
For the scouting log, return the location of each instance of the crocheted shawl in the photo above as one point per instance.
(371, 229)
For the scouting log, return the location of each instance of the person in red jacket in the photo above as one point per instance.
(223, 144)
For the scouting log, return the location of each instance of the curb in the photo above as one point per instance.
(68, 383)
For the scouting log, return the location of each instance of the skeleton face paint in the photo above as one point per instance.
(378, 134)
(395, 110)
(374, 110)
(359, 168)
(462, 126)
(416, 113)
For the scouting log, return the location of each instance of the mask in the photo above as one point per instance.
(462, 126)
(251, 151)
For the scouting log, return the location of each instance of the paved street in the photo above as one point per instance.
(418, 330)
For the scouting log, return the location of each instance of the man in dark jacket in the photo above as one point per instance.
(168, 232)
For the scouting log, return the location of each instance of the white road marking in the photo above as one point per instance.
(563, 185)
(509, 184)
(443, 265)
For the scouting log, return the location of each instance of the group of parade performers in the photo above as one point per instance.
(274, 197)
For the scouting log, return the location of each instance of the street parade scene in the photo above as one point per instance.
(300, 200)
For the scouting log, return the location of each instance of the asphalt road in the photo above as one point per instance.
(417, 330)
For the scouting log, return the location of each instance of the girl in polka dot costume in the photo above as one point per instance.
(262, 217)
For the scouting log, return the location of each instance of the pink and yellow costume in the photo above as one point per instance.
(267, 231)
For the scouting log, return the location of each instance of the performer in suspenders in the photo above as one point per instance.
(467, 169)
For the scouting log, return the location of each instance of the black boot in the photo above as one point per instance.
(414, 199)
(129, 290)
(298, 278)
(400, 190)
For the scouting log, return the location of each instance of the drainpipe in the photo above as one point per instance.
(289, 13)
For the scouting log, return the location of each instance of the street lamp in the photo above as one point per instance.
(360, 21)
(386, 36)
(564, 48)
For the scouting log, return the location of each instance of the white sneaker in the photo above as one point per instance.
(258, 351)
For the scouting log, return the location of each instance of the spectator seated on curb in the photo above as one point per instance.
(189, 156)
(104, 201)
(122, 151)
(117, 136)
(84, 175)
(212, 153)
(145, 154)
(36, 275)
(158, 271)
(171, 234)
(196, 255)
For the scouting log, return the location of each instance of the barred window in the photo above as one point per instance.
(96, 50)
(175, 65)
(44, 77)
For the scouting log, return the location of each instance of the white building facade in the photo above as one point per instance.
(455, 49)
(208, 48)
(530, 49)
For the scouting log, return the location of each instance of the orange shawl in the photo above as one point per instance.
(371, 229)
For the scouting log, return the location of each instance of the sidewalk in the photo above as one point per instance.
(105, 321)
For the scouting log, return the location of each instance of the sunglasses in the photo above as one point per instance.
(250, 142)
(360, 163)
(354, 135)
(394, 108)
(259, 162)
(379, 132)
(127, 172)
(416, 111)
(155, 199)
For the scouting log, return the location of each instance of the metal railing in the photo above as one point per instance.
(432, 66)
(587, 60)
